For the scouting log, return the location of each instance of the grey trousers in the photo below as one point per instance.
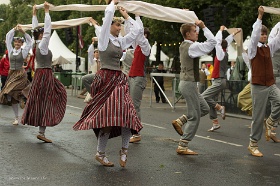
(87, 81)
(213, 91)
(196, 108)
(261, 95)
(136, 87)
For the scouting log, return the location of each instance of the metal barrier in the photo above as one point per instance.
(175, 79)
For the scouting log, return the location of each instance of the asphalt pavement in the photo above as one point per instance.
(223, 156)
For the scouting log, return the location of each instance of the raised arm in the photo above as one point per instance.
(128, 39)
(219, 50)
(199, 49)
(256, 35)
(274, 39)
(44, 44)
(34, 17)
(9, 40)
(141, 40)
(103, 39)
(28, 42)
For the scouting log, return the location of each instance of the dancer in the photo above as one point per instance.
(11, 93)
(111, 112)
(4, 68)
(137, 77)
(197, 107)
(46, 103)
(218, 78)
(263, 83)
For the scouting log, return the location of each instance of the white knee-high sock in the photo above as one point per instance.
(42, 129)
(15, 109)
(102, 141)
(126, 134)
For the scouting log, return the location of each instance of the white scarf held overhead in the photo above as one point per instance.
(149, 10)
(61, 24)
(271, 10)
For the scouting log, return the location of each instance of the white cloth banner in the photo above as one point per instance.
(149, 10)
(61, 24)
(271, 10)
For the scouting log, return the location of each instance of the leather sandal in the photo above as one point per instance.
(101, 158)
(123, 163)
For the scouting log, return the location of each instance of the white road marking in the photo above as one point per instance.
(277, 154)
(74, 107)
(155, 126)
(220, 141)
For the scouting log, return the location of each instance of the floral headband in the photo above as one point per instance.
(19, 39)
(118, 19)
(40, 29)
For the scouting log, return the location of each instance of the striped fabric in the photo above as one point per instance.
(46, 103)
(16, 82)
(111, 105)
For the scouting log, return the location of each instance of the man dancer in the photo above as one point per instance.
(197, 107)
(263, 83)
(218, 78)
(137, 76)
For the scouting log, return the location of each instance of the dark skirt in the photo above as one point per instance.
(15, 83)
(111, 105)
(46, 102)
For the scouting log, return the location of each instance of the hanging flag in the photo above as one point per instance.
(81, 42)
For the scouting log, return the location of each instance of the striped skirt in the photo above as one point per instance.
(16, 82)
(46, 103)
(111, 105)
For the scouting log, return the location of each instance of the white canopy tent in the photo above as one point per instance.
(163, 56)
(59, 49)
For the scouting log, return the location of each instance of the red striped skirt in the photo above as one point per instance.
(111, 105)
(46, 102)
(16, 82)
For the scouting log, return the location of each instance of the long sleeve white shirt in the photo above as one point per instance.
(141, 40)
(90, 54)
(97, 30)
(105, 35)
(198, 49)
(274, 32)
(274, 43)
(219, 50)
(247, 62)
(25, 50)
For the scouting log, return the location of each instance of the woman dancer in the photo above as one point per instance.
(111, 112)
(17, 78)
(47, 97)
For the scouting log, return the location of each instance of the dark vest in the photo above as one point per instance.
(138, 64)
(189, 66)
(220, 67)
(262, 70)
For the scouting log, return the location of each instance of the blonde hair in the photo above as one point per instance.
(186, 28)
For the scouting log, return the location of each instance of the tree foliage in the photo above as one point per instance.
(231, 13)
